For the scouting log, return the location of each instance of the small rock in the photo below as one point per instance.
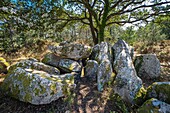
(147, 66)
(154, 106)
(91, 70)
(159, 90)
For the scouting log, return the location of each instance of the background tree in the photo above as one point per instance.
(99, 14)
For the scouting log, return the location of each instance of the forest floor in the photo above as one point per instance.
(87, 99)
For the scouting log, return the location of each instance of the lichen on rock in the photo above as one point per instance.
(3, 65)
(36, 87)
(31, 64)
(159, 90)
(147, 66)
(126, 83)
(154, 106)
(71, 51)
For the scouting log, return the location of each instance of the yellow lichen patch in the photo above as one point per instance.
(53, 87)
(140, 96)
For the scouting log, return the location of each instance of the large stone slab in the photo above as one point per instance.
(36, 87)
(147, 66)
(159, 90)
(34, 64)
(154, 106)
(65, 65)
(126, 83)
(71, 51)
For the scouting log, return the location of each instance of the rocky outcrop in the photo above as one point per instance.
(91, 70)
(3, 65)
(126, 83)
(147, 66)
(154, 106)
(71, 51)
(159, 90)
(65, 65)
(36, 87)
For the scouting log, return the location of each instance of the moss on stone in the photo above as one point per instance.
(4, 61)
(53, 87)
(37, 91)
(28, 97)
(42, 90)
(147, 107)
(46, 58)
(140, 96)
(162, 91)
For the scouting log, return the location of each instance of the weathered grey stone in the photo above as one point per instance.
(68, 65)
(91, 70)
(131, 51)
(101, 52)
(32, 64)
(104, 73)
(72, 51)
(51, 59)
(147, 66)
(3, 65)
(159, 90)
(126, 83)
(36, 87)
(65, 65)
(154, 106)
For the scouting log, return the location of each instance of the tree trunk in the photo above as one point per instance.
(95, 39)
(101, 34)
(103, 22)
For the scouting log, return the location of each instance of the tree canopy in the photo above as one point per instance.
(20, 19)
(99, 14)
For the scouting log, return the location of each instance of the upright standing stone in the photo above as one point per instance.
(102, 54)
(104, 74)
(126, 83)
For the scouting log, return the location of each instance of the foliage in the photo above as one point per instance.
(98, 14)
(24, 21)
